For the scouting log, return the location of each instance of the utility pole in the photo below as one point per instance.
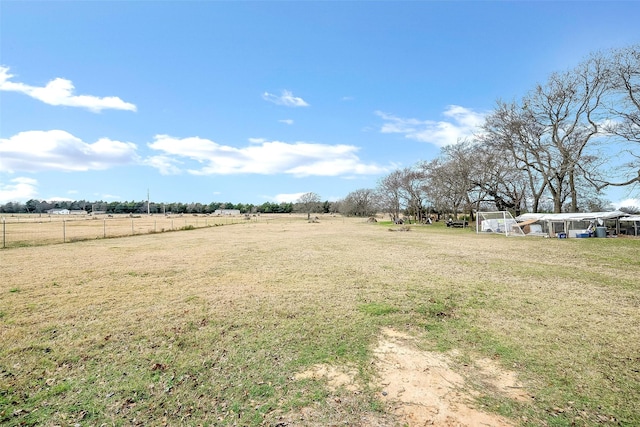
(148, 208)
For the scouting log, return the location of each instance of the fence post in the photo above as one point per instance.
(4, 232)
(104, 228)
(64, 231)
(132, 232)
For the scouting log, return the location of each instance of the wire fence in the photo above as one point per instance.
(38, 230)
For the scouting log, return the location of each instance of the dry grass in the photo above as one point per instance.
(210, 326)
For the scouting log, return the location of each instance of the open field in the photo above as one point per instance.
(255, 323)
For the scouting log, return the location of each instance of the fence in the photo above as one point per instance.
(36, 230)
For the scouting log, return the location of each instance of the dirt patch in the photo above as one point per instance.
(423, 390)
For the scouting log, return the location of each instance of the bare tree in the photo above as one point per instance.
(497, 180)
(309, 202)
(566, 108)
(550, 133)
(510, 130)
(389, 191)
(442, 185)
(362, 202)
(412, 186)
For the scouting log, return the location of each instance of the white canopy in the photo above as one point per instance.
(574, 216)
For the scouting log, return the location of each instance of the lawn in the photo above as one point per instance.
(212, 326)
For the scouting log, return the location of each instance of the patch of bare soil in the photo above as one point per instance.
(423, 390)
(420, 387)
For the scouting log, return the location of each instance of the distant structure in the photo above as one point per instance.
(66, 212)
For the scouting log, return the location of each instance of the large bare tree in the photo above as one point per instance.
(389, 191)
(510, 131)
(567, 109)
(412, 185)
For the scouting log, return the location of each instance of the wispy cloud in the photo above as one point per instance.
(286, 121)
(166, 165)
(460, 123)
(265, 157)
(36, 151)
(18, 189)
(287, 99)
(59, 91)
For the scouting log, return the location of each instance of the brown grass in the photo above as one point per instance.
(210, 326)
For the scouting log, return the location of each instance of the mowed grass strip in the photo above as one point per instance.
(210, 326)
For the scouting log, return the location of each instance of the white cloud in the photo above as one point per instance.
(35, 151)
(287, 99)
(286, 121)
(462, 123)
(266, 157)
(18, 189)
(60, 92)
(627, 203)
(166, 165)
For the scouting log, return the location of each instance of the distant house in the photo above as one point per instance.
(66, 212)
(227, 212)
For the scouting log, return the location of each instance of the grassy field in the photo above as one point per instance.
(210, 326)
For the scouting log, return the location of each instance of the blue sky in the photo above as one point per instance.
(201, 101)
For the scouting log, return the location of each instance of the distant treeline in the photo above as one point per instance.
(140, 207)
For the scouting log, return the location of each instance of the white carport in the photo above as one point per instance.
(587, 224)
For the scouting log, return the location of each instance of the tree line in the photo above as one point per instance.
(549, 151)
(34, 206)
